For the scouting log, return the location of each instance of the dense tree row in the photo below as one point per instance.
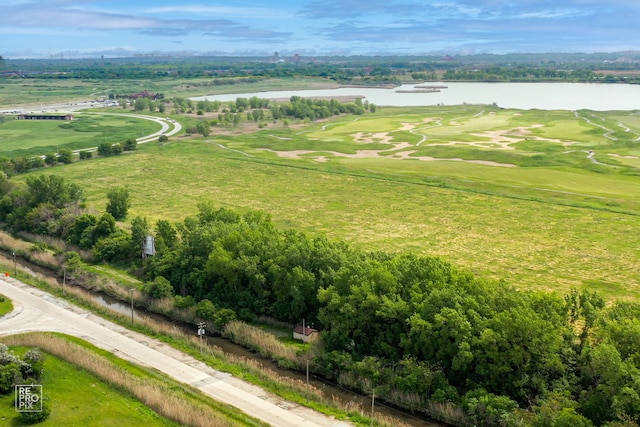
(410, 328)
(408, 324)
(351, 70)
(520, 74)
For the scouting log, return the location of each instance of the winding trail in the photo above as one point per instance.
(36, 310)
(608, 131)
(168, 127)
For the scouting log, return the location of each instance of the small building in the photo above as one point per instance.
(45, 117)
(144, 94)
(305, 334)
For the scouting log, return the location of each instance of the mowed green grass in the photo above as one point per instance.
(79, 399)
(377, 204)
(31, 137)
(6, 306)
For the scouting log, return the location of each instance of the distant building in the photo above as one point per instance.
(45, 117)
(143, 94)
(305, 334)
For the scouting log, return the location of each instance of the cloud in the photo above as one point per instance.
(218, 10)
(66, 14)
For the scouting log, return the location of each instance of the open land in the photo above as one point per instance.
(540, 199)
(80, 399)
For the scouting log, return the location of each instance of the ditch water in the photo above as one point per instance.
(331, 391)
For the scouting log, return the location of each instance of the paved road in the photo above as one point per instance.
(36, 310)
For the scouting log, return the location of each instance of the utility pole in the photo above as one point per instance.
(131, 292)
(201, 330)
(15, 268)
(307, 379)
(373, 400)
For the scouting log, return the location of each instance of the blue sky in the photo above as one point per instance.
(89, 28)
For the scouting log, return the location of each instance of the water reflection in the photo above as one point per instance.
(545, 96)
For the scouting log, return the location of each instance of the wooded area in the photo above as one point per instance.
(412, 329)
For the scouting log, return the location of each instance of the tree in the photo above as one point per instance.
(105, 149)
(130, 144)
(85, 155)
(139, 231)
(142, 104)
(119, 202)
(159, 288)
(116, 149)
(203, 129)
(50, 159)
(65, 156)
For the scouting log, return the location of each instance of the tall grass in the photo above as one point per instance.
(263, 342)
(166, 400)
(240, 366)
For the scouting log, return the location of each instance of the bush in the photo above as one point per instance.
(222, 317)
(119, 202)
(37, 417)
(130, 144)
(65, 156)
(105, 149)
(116, 149)
(205, 310)
(183, 302)
(489, 409)
(159, 288)
(112, 248)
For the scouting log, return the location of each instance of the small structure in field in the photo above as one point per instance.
(45, 117)
(305, 333)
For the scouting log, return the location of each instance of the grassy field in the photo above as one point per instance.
(19, 92)
(547, 227)
(20, 138)
(544, 199)
(77, 398)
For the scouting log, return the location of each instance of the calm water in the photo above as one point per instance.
(545, 96)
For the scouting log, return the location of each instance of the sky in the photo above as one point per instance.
(118, 28)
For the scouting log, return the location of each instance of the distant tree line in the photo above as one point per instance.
(346, 70)
(412, 329)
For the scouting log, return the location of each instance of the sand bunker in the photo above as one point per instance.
(501, 139)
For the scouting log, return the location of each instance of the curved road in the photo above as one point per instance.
(168, 127)
(36, 310)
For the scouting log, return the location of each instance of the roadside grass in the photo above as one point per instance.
(78, 398)
(292, 389)
(123, 386)
(6, 306)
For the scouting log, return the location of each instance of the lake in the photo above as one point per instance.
(544, 96)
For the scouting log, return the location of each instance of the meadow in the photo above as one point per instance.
(20, 138)
(538, 199)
